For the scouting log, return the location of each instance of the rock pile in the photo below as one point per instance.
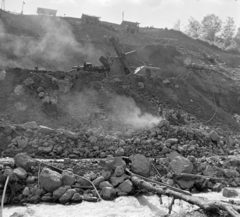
(161, 140)
(63, 186)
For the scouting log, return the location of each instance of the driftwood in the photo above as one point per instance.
(199, 176)
(159, 183)
(204, 204)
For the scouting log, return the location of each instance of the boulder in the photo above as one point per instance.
(68, 178)
(19, 90)
(185, 184)
(46, 198)
(181, 165)
(77, 198)
(209, 171)
(20, 173)
(67, 196)
(70, 135)
(117, 180)
(93, 139)
(47, 149)
(59, 192)
(140, 165)
(104, 184)
(172, 155)
(214, 136)
(26, 192)
(98, 180)
(22, 141)
(30, 125)
(24, 161)
(106, 174)
(217, 187)
(126, 186)
(119, 171)
(229, 192)
(119, 152)
(108, 193)
(50, 180)
(113, 162)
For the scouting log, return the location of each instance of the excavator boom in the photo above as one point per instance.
(122, 56)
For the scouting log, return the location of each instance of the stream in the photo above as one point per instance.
(142, 206)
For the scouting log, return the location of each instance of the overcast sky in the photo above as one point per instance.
(157, 13)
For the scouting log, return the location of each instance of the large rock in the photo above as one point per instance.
(50, 180)
(104, 184)
(209, 171)
(181, 165)
(20, 173)
(24, 161)
(186, 184)
(140, 165)
(119, 152)
(67, 196)
(214, 136)
(108, 193)
(19, 90)
(229, 192)
(117, 180)
(172, 155)
(119, 171)
(59, 192)
(113, 162)
(30, 125)
(22, 141)
(77, 198)
(98, 180)
(126, 186)
(70, 135)
(68, 178)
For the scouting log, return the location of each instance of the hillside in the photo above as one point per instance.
(197, 79)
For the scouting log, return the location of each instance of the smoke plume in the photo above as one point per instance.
(117, 111)
(52, 45)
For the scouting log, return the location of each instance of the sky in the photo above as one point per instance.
(157, 13)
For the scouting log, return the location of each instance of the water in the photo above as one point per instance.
(143, 206)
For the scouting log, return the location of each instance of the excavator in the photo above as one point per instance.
(122, 57)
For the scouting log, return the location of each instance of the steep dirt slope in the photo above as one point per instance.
(195, 77)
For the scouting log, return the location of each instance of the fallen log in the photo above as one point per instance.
(198, 176)
(204, 204)
(159, 183)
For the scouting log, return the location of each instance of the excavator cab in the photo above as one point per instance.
(87, 66)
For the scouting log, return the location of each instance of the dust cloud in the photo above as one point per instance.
(54, 47)
(117, 111)
(127, 112)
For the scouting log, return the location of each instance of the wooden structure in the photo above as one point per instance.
(45, 11)
(131, 27)
(90, 19)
